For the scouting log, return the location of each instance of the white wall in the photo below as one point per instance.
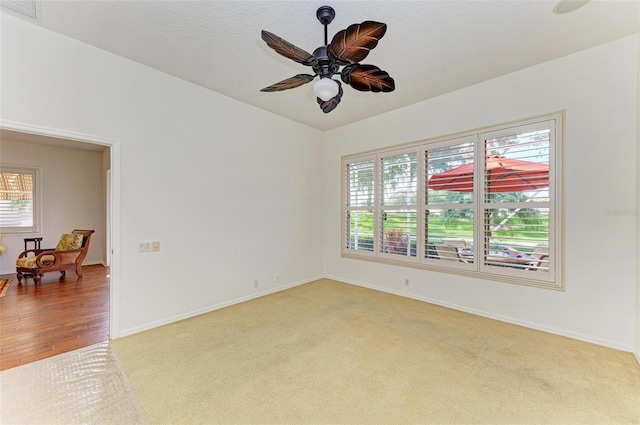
(236, 194)
(597, 88)
(637, 348)
(233, 193)
(72, 196)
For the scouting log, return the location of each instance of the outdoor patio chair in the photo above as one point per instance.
(449, 252)
(457, 242)
(539, 251)
(541, 265)
(540, 254)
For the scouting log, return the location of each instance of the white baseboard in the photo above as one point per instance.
(506, 319)
(208, 309)
(557, 331)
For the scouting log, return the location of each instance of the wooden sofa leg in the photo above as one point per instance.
(19, 276)
(37, 278)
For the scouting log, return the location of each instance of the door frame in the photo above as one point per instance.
(113, 242)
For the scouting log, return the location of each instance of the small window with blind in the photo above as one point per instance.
(359, 230)
(399, 204)
(484, 204)
(518, 199)
(450, 228)
(19, 199)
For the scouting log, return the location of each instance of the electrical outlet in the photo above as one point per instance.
(406, 281)
(155, 246)
(255, 283)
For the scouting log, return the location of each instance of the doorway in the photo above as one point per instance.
(111, 162)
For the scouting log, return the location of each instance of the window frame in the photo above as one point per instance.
(381, 208)
(553, 175)
(553, 279)
(439, 144)
(348, 209)
(35, 173)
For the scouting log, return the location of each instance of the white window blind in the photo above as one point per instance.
(517, 205)
(359, 206)
(485, 204)
(399, 203)
(18, 199)
(449, 203)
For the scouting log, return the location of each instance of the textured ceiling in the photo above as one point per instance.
(430, 48)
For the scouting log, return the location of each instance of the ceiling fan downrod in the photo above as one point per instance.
(325, 15)
(325, 67)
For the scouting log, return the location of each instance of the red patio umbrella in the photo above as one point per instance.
(502, 175)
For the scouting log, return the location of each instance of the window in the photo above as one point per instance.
(399, 204)
(359, 235)
(485, 204)
(19, 199)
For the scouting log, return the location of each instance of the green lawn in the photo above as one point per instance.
(516, 230)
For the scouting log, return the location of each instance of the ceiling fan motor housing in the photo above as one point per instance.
(326, 66)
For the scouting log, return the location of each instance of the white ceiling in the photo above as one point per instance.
(430, 48)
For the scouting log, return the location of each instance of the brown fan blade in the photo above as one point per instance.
(368, 78)
(288, 50)
(353, 44)
(329, 105)
(290, 83)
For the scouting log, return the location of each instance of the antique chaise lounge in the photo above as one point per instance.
(68, 255)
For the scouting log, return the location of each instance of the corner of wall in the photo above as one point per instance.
(637, 346)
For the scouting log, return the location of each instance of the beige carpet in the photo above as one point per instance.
(332, 353)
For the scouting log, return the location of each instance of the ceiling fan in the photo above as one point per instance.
(347, 48)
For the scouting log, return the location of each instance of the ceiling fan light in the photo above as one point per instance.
(325, 88)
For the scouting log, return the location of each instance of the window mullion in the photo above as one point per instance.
(377, 203)
(478, 202)
(420, 206)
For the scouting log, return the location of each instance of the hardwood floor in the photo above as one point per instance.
(54, 317)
